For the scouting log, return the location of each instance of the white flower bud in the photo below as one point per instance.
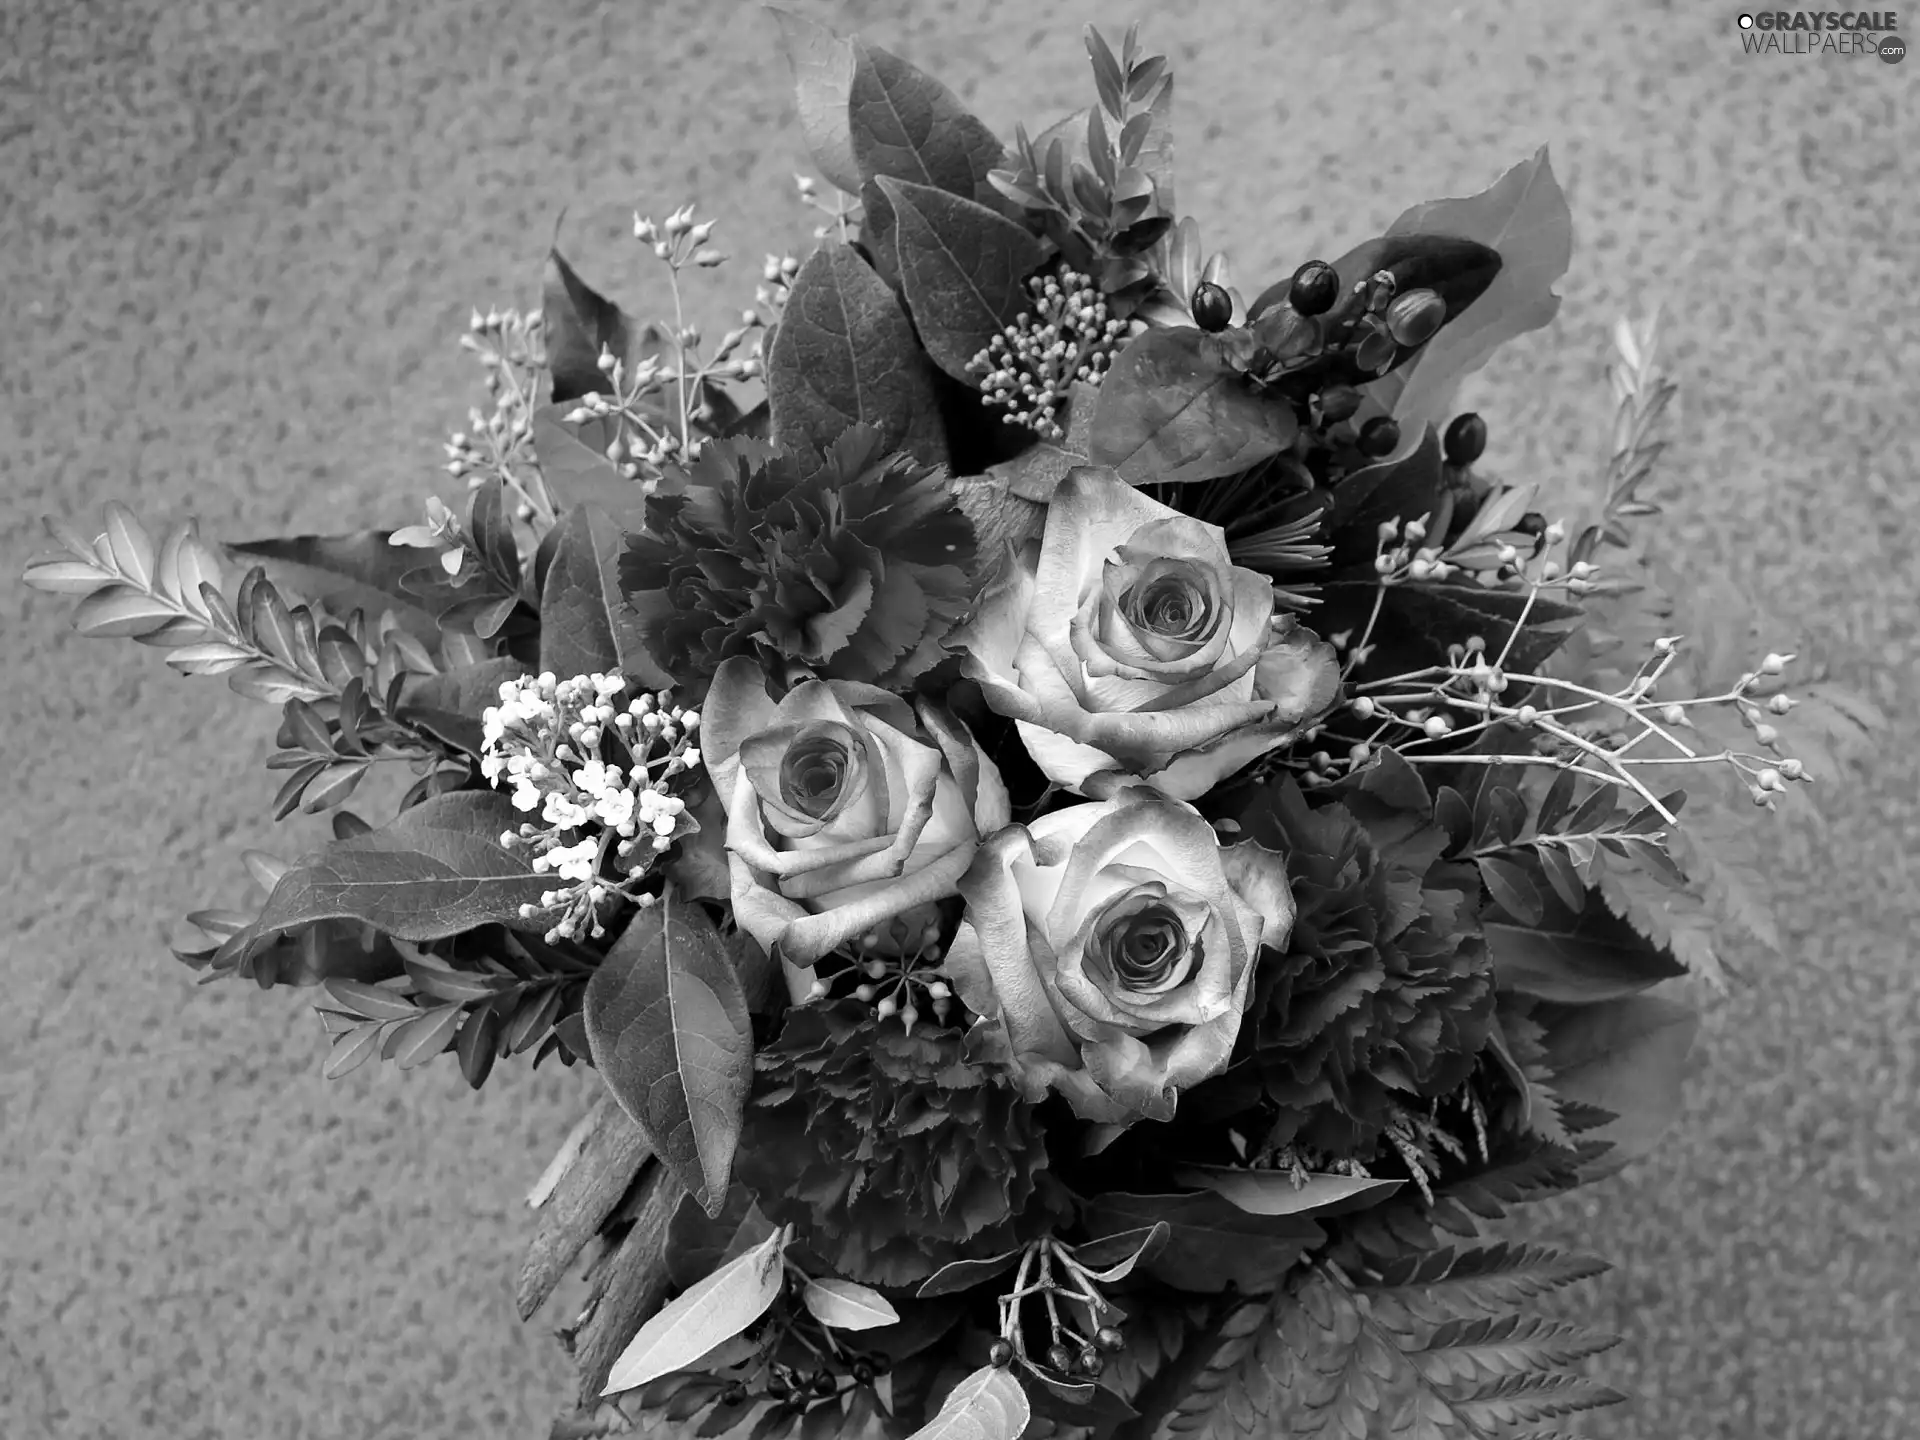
(1766, 734)
(1780, 704)
(1674, 715)
(1793, 769)
(1437, 726)
(1364, 707)
(1774, 664)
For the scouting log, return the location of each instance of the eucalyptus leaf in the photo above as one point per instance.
(958, 1275)
(668, 1028)
(844, 355)
(710, 1313)
(962, 268)
(843, 1305)
(988, 1405)
(1112, 1258)
(1273, 1192)
(822, 64)
(1172, 409)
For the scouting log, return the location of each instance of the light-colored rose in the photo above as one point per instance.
(1116, 943)
(846, 808)
(1126, 640)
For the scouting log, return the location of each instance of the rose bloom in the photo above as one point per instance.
(1116, 941)
(1126, 640)
(846, 808)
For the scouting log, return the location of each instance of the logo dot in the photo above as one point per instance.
(1746, 22)
(1893, 49)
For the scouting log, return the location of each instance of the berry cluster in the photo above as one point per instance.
(597, 772)
(1029, 369)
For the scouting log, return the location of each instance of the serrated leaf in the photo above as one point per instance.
(843, 1305)
(1273, 1192)
(962, 268)
(822, 64)
(712, 1311)
(1676, 920)
(844, 355)
(1172, 409)
(667, 1023)
(988, 1405)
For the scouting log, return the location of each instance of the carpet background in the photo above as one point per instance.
(237, 243)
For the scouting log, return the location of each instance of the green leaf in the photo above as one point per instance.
(822, 64)
(1211, 1242)
(843, 1305)
(669, 1031)
(844, 355)
(356, 571)
(1677, 921)
(426, 1035)
(958, 1275)
(573, 463)
(449, 706)
(351, 1049)
(963, 269)
(1570, 958)
(1172, 409)
(1112, 1258)
(1627, 1056)
(1512, 889)
(1524, 216)
(710, 1313)
(578, 323)
(906, 125)
(586, 626)
(988, 1405)
(1036, 472)
(435, 871)
(1273, 1192)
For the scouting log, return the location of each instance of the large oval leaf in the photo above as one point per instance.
(822, 65)
(962, 267)
(988, 1405)
(667, 1026)
(843, 1305)
(709, 1314)
(1627, 1056)
(844, 355)
(585, 623)
(1577, 959)
(904, 123)
(1173, 409)
(1273, 1192)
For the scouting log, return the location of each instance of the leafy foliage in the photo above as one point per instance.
(855, 566)
(1174, 409)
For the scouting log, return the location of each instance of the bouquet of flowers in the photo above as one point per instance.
(1094, 848)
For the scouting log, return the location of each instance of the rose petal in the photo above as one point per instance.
(736, 706)
(807, 939)
(1261, 891)
(1299, 672)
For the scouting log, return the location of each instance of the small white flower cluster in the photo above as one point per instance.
(1030, 367)
(559, 745)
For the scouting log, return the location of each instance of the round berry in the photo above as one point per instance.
(862, 1372)
(777, 1387)
(1000, 1354)
(1379, 436)
(823, 1382)
(1416, 317)
(1466, 440)
(1092, 1362)
(1337, 402)
(1531, 523)
(1110, 1339)
(734, 1394)
(1315, 288)
(1060, 1358)
(1212, 307)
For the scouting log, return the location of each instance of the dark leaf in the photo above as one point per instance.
(699, 1243)
(1627, 1056)
(1402, 489)
(477, 1044)
(579, 322)
(1512, 888)
(574, 464)
(1559, 869)
(1211, 1243)
(1172, 409)
(962, 269)
(1453, 815)
(426, 1035)
(449, 706)
(435, 871)
(1113, 1257)
(843, 355)
(1273, 1192)
(1036, 472)
(959, 1275)
(586, 625)
(1576, 958)
(1419, 621)
(667, 1022)
(357, 571)
(909, 126)
(1557, 803)
(491, 531)
(822, 64)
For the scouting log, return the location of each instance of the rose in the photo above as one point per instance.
(846, 808)
(1127, 640)
(1115, 941)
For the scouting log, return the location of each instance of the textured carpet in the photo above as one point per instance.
(237, 243)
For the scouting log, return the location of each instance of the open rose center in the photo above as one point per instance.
(1145, 947)
(813, 773)
(1172, 600)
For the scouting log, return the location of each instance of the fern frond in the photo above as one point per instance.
(1485, 1280)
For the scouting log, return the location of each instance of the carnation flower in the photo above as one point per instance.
(892, 1153)
(855, 568)
(1384, 995)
